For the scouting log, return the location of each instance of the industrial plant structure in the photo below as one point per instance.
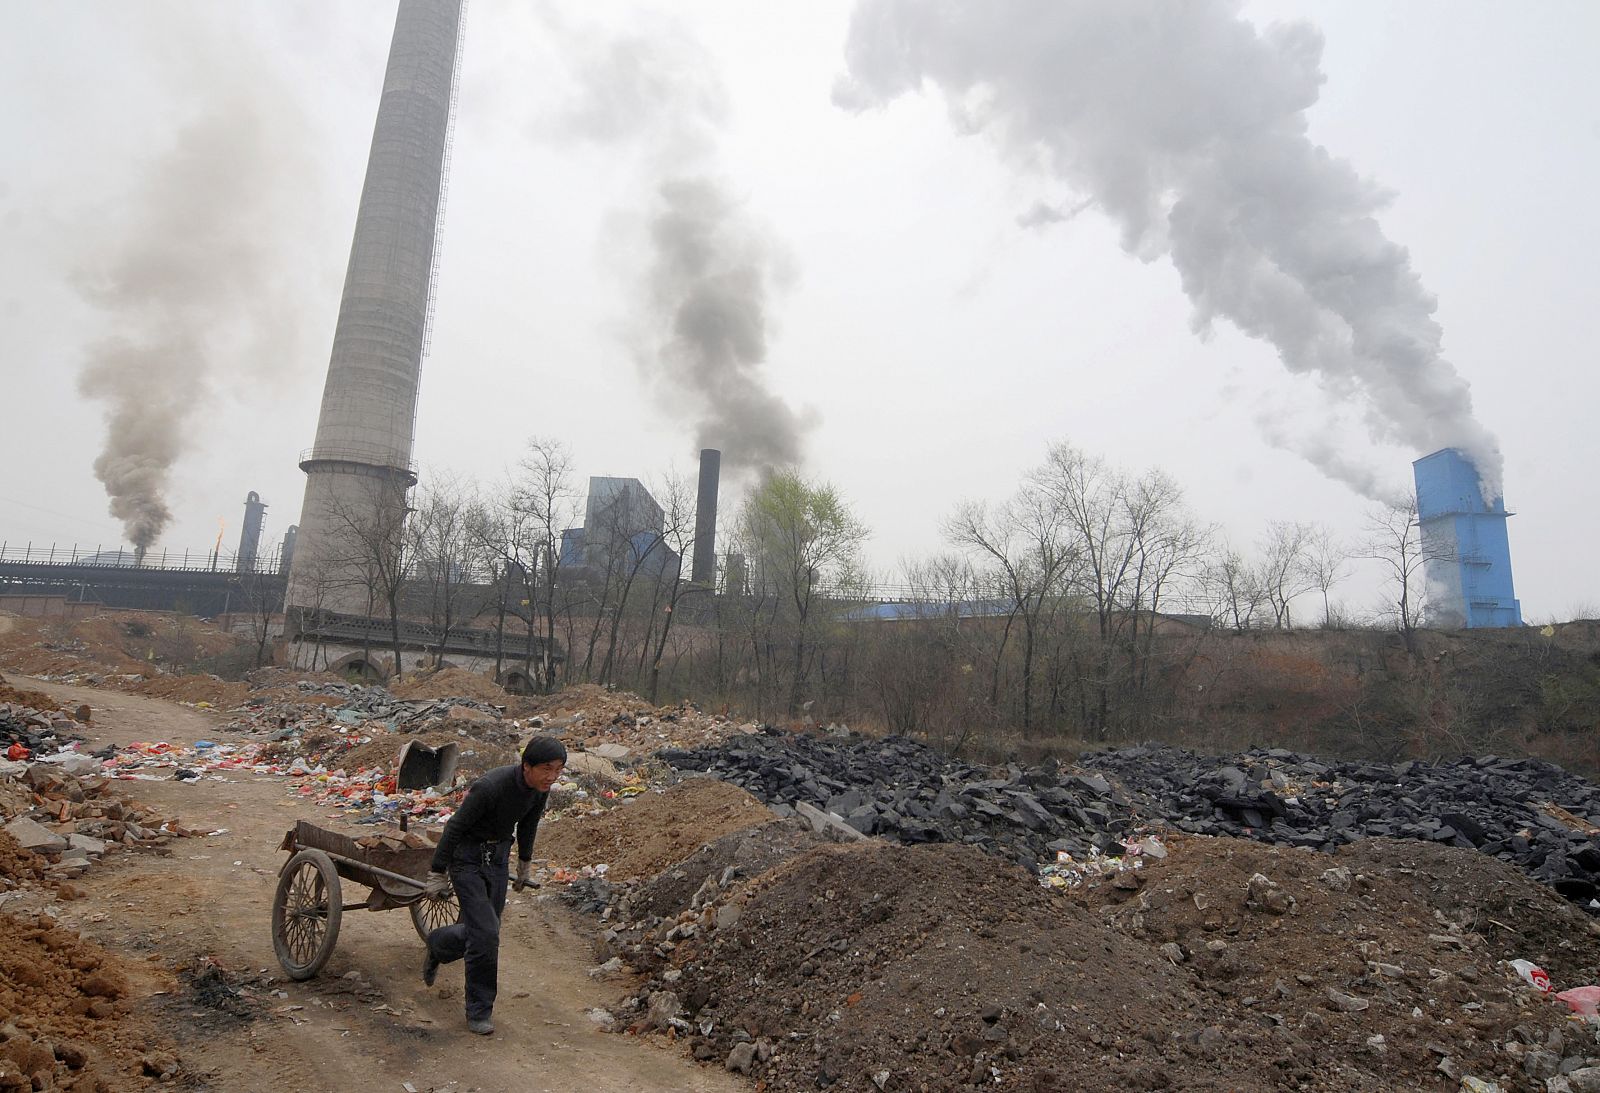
(622, 525)
(255, 512)
(704, 570)
(1466, 552)
(359, 470)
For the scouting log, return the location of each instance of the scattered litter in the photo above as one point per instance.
(1533, 975)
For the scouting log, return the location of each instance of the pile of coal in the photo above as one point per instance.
(1533, 814)
(906, 792)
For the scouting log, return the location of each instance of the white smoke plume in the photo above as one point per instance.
(1187, 126)
(191, 275)
(712, 269)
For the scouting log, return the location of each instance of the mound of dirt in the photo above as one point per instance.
(132, 642)
(593, 702)
(1514, 919)
(449, 683)
(195, 689)
(653, 830)
(36, 700)
(19, 866)
(873, 966)
(1337, 952)
(67, 1025)
(740, 855)
(1226, 965)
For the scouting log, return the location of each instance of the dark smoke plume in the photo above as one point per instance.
(710, 282)
(712, 270)
(1187, 127)
(190, 277)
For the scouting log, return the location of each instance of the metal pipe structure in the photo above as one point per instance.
(359, 470)
(704, 568)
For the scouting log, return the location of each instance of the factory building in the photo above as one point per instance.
(1466, 551)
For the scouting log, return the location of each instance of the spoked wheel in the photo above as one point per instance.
(431, 912)
(305, 914)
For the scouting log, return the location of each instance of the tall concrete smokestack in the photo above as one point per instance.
(250, 534)
(359, 470)
(704, 569)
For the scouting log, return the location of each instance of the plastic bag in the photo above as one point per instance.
(1583, 1000)
(1533, 975)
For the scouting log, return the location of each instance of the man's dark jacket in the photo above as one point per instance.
(498, 804)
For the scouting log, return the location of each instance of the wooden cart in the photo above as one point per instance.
(308, 904)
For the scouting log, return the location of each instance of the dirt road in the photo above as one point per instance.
(367, 1022)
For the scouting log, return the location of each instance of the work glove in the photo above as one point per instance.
(436, 884)
(522, 875)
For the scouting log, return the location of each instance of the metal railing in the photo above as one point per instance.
(123, 557)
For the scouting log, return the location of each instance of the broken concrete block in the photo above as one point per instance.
(468, 713)
(35, 837)
(592, 764)
(822, 822)
(88, 844)
(613, 752)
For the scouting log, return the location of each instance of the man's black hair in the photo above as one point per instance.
(544, 749)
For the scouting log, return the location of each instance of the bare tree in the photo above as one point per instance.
(1133, 538)
(445, 553)
(678, 535)
(1024, 543)
(1327, 564)
(1394, 540)
(368, 544)
(489, 528)
(1232, 590)
(262, 597)
(1283, 577)
(542, 506)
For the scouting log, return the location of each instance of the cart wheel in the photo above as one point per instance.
(431, 912)
(305, 914)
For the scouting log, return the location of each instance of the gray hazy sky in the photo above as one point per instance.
(927, 313)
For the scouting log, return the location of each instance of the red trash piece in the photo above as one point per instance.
(1584, 1000)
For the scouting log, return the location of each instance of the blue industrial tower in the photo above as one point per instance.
(1468, 556)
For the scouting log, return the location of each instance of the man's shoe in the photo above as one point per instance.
(482, 1026)
(430, 969)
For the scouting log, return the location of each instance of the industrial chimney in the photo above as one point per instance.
(704, 569)
(286, 550)
(1466, 552)
(250, 534)
(359, 470)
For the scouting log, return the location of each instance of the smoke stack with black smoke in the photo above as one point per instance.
(710, 268)
(1187, 127)
(710, 278)
(704, 569)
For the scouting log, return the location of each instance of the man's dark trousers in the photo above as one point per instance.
(478, 874)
